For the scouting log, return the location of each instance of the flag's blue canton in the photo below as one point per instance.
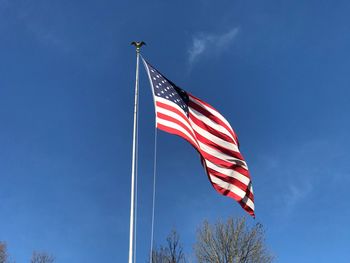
(167, 90)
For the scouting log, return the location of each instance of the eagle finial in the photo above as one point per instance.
(138, 45)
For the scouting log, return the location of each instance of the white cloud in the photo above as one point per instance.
(47, 34)
(293, 176)
(210, 44)
(296, 194)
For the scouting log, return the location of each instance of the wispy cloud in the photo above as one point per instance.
(300, 174)
(296, 194)
(210, 44)
(48, 34)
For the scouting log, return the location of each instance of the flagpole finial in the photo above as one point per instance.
(138, 45)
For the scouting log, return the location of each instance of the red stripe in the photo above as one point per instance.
(176, 132)
(173, 120)
(215, 146)
(233, 181)
(225, 164)
(206, 104)
(173, 109)
(250, 194)
(240, 170)
(228, 193)
(211, 107)
(228, 179)
(215, 159)
(209, 115)
(247, 208)
(211, 130)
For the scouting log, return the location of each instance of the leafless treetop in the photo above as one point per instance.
(231, 242)
(41, 257)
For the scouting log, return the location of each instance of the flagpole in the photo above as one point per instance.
(133, 169)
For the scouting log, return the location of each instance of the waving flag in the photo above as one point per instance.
(178, 112)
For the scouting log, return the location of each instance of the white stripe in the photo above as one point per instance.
(234, 189)
(210, 123)
(249, 202)
(231, 187)
(228, 172)
(251, 188)
(176, 127)
(172, 104)
(177, 117)
(214, 112)
(213, 138)
(222, 156)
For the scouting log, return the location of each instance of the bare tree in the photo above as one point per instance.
(4, 257)
(171, 253)
(3, 253)
(231, 242)
(160, 256)
(41, 257)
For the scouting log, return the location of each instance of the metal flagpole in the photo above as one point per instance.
(138, 45)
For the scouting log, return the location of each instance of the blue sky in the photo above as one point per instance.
(277, 70)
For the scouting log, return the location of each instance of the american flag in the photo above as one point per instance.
(178, 112)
